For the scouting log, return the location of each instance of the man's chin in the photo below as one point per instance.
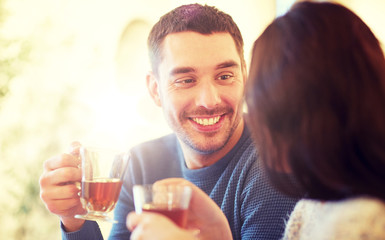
(207, 146)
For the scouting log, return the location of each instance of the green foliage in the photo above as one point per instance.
(34, 125)
(14, 52)
(24, 148)
(15, 203)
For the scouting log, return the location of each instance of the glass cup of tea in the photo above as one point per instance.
(102, 178)
(172, 201)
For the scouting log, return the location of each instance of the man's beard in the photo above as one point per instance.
(205, 147)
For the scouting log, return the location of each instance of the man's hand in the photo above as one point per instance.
(59, 187)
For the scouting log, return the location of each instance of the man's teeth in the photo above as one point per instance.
(207, 121)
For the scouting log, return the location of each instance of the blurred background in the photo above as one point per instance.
(75, 70)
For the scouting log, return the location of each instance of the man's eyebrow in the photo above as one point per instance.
(180, 70)
(227, 64)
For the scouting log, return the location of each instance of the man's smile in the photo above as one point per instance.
(206, 121)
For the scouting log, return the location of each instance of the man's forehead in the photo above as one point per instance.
(187, 48)
(196, 36)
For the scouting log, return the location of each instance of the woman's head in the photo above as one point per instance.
(316, 101)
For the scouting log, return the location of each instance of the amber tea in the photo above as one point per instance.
(171, 201)
(177, 214)
(102, 175)
(100, 195)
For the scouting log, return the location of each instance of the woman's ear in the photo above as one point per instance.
(153, 88)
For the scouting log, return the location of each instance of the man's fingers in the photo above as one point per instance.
(64, 192)
(66, 207)
(70, 191)
(63, 160)
(74, 148)
(62, 200)
(65, 175)
(61, 176)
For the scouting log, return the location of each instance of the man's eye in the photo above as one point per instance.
(184, 82)
(225, 77)
(187, 81)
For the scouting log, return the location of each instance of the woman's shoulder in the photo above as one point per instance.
(361, 218)
(353, 219)
(361, 210)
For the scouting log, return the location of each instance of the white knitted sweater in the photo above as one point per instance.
(352, 219)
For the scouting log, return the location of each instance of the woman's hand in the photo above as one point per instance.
(205, 219)
(154, 226)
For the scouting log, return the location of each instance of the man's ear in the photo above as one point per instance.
(244, 71)
(153, 88)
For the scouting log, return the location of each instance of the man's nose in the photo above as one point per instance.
(208, 95)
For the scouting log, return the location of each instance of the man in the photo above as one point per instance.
(198, 77)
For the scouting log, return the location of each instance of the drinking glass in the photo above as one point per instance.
(172, 201)
(102, 178)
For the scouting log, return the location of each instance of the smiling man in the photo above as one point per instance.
(198, 77)
(199, 84)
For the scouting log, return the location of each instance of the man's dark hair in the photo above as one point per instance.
(193, 17)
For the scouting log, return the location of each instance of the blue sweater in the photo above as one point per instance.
(254, 209)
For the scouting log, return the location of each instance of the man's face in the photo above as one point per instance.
(200, 88)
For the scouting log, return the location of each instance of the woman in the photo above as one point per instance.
(316, 102)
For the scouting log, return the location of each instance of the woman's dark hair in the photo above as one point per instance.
(193, 17)
(316, 102)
